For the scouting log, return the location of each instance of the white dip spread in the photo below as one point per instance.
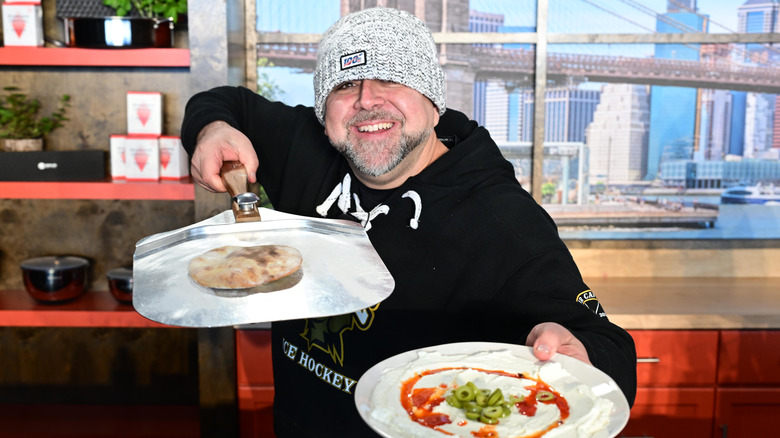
(588, 415)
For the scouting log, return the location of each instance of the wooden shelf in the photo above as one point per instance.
(120, 190)
(74, 56)
(92, 309)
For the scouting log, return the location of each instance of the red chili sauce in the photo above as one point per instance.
(420, 402)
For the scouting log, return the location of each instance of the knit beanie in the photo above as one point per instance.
(378, 43)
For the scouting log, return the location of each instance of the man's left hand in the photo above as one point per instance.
(549, 338)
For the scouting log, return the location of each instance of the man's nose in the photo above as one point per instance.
(371, 94)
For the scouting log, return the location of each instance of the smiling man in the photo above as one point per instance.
(473, 256)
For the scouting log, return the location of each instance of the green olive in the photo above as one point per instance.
(473, 415)
(487, 420)
(492, 411)
(506, 410)
(465, 393)
(485, 405)
(514, 399)
(496, 397)
(544, 396)
(471, 407)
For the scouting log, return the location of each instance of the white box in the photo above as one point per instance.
(143, 158)
(144, 112)
(23, 24)
(174, 161)
(117, 156)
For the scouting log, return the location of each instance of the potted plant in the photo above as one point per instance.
(121, 23)
(21, 128)
(150, 8)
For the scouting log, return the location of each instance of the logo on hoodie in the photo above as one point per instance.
(588, 299)
(327, 334)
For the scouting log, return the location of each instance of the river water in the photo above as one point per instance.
(734, 222)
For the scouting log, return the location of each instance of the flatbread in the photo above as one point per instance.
(239, 267)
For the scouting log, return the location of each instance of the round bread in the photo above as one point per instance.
(239, 267)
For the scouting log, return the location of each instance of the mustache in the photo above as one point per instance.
(365, 116)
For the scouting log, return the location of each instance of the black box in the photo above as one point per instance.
(53, 166)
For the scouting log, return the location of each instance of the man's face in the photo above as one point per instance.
(377, 124)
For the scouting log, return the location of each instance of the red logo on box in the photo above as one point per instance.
(165, 158)
(18, 24)
(143, 113)
(141, 157)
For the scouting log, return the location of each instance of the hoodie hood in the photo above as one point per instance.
(472, 162)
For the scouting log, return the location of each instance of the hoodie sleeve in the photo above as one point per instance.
(272, 127)
(538, 281)
(549, 288)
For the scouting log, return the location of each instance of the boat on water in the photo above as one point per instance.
(757, 194)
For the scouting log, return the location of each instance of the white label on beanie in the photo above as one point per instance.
(353, 60)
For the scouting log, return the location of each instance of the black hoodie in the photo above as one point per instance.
(474, 258)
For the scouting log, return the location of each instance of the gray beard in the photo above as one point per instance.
(360, 156)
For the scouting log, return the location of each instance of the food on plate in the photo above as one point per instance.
(488, 394)
(239, 267)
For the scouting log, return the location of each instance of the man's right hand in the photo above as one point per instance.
(218, 142)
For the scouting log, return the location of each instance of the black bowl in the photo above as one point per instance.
(54, 279)
(120, 283)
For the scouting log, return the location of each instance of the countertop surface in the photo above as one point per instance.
(690, 303)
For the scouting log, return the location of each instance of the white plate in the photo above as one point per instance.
(599, 382)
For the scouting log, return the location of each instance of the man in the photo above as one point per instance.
(473, 256)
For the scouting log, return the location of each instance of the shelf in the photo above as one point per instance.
(74, 56)
(92, 309)
(120, 190)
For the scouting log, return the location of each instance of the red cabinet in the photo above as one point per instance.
(676, 358)
(747, 412)
(707, 383)
(255, 383)
(749, 358)
(748, 395)
(671, 413)
(676, 374)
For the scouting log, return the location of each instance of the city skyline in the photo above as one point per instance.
(686, 123)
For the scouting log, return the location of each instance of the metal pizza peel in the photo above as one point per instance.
(341, 271)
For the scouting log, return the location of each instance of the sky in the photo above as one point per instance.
(564, 16)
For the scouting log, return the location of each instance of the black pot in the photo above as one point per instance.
(55, 279)
(118, 32)
(120, 283)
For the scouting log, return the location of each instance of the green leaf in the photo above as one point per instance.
(19, 115)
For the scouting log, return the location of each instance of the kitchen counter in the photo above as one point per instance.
(690, 303)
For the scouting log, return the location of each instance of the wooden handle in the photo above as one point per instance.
(234, 177)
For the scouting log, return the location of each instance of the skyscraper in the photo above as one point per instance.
(482, 22)
(715, 126)
(761, 110)
(759, 16)
(568, 111)
(617, 138)
(673, 109)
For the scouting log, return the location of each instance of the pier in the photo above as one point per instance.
(635, 213)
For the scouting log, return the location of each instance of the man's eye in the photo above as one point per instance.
(345, 85)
